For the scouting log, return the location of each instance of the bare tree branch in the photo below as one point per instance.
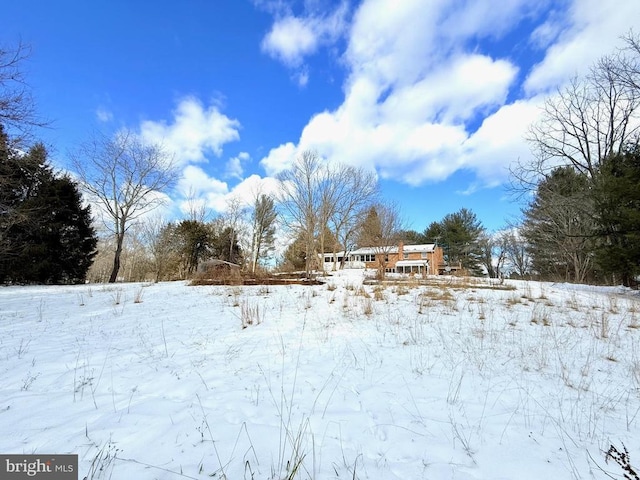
(125, 178)
(589, 120)
(17, 106)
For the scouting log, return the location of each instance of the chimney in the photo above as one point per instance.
(400, 250)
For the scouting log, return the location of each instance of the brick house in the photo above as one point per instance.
(427, 259)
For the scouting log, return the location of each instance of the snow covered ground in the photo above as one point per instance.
(447, 381)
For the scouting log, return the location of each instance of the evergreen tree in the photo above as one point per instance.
(225, 246)
(379, 230)
(45, 233)
(62, 242)
(459, 234)
(263, 221)
(411, 237)
(617, 204)
(370, 230)
(559, 226)
(295, 255)
(196, 243)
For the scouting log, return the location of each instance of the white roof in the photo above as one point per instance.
(429, 247)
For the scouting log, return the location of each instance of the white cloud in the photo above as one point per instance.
(447, 95)
(423, 100)
(500, 140)
(279, 159)
(247, 190)
(415, 133)
(293, 38)
(195, 181)
(302, 77)
(195, 131)
(198, 189)
(290, 40)
(408, 96)
(592, 28)
(104, 115)
(234, 165)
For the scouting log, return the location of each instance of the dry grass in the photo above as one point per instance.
(513, 300)
(361, 292)
(378, 293)
(540, 316)
(250, 314)
(438, 295)
(137, 298)
(367, 306)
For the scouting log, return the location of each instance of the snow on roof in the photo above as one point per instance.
(429, 247)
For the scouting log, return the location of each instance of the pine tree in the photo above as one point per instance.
(46, 234)
(195, 240)
(225, 246)
(618, 208)
(459, 233)
(263, 234)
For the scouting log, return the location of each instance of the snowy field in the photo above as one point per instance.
(451, 380)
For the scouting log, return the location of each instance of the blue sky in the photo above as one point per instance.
(434, 95)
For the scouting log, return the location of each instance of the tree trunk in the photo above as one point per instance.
(256, 256)
(116, 258)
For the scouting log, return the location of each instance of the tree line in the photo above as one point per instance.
(159, 250)
(581, 221)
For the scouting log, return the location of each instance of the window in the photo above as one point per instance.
(405, 256)
(423, 254)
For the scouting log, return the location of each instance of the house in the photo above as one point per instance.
(427, 259)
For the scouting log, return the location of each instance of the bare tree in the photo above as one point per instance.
(196, 208)
(584, 124)
(492, 253)
(299, 201)
(17, 107)
(589, 120)
(328, 184)
(125, 178)
(356, 190)
(324, 204)
(161, 242)
(233, 219)
(593, 119)
(380, 230)
(516, 252)
(625, 63)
